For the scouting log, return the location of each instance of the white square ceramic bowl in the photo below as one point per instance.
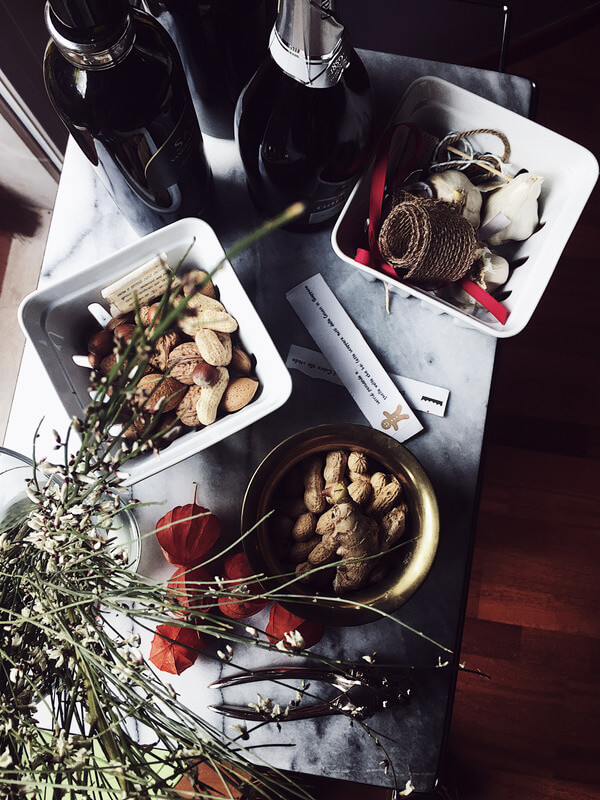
(569, 171)
(57, 317)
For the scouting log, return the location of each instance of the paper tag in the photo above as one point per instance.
(352, 359)
(422, 396)
(146, 282)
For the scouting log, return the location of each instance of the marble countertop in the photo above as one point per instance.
(411, 341)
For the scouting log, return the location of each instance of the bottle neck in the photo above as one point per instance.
(308, 43)
(93, 55)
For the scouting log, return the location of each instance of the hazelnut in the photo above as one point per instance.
(205, 374)
(108, 363)
(101, 343)
(124, 331)
(149, 315)
(112, 324)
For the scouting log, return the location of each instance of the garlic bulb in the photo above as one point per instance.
(454, 187)
(493, 273)
(517, 200)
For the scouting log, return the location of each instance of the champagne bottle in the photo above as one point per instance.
(115, 78)
(304, 122)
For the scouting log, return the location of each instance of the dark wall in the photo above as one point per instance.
(444, 30)
(23, 38)
(458, 31)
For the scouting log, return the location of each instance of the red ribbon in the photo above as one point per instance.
(372, 257)
(487, 301)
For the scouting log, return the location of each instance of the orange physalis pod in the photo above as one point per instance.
(238, 569)
(174, 649)
(187, 533)
(282, 621)
(189, 586)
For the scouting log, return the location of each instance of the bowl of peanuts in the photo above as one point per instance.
(345, 524)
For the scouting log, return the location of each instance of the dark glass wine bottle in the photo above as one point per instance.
(304, 122)
(221, 44)
(115, 78)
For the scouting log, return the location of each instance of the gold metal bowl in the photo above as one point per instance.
(421, 538)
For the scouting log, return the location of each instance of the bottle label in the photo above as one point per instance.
(163, 169)
(324, 208)
(318, 73)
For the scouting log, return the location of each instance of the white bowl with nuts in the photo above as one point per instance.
(347, 515)
(223, 369)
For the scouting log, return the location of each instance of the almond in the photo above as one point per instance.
(238, 394)
(165, 430)
(136, 427)
(198, 278)
(157, 393)
(240, 362)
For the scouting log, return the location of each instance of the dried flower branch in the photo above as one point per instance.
(69, 604)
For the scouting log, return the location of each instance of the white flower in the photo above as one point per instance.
(56, 655)
(242, 730)
(63, 745)
(79, 758)
(32, 495)
(263, 705)
(5, 760)
(295, 640)
(35, 523)
(408, 789)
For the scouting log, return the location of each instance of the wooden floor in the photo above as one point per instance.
(533, 618)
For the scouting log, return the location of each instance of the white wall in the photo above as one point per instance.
(21, 171)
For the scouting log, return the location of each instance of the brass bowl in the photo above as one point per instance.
(421, 537)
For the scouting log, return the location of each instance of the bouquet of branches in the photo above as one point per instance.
(75, 689)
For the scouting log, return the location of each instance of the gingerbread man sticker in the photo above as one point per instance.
(391, 419)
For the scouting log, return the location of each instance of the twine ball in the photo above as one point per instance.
(427, 239)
